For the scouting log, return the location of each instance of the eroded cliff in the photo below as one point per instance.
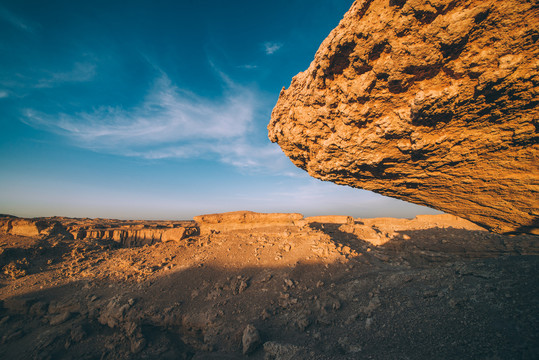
(433, 102)
(129, 233)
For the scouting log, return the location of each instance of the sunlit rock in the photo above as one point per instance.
(430, 102)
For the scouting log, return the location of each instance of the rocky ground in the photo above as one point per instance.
(325, 288)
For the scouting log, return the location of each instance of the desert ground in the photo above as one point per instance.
(267, 286)
(431, 102)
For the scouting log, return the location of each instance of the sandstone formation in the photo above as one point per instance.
(376, 231)
(379, 231)
(421, 222)
(136, 237)
(330, 219)
(126, 233)
(21, 227)
(244, 220)
(433, 102)
(29, 227)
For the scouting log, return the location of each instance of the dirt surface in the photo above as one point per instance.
(423, 289)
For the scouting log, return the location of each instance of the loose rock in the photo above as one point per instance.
(250, 339)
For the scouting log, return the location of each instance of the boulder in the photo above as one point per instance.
(433, 102)
(250, 339)
(175, 234)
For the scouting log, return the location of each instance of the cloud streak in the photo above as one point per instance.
(172, 123)
(272, 47)
(81, 72)
(15, 20)
(20, 84)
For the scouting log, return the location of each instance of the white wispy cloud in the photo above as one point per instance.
(81, 72)
(172, 123)
(15, 20)
(256, 157)
(167, 114)
(272, 47)
(248, 67)
(3, 94)
(20, 84)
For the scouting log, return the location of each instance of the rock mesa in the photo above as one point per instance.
(244, 220)
(433, 102)
(126, 233)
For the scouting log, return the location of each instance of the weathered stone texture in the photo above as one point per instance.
(433, 102)
(136, 237)
(330, 219)
(248, 217)
(244, 220)
(128, 234)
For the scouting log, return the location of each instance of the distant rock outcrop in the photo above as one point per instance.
(130, 237)
(244, 220)
(433, 102)
(29, 227)
(126, 233)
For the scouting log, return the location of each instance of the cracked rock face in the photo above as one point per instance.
(433, 102)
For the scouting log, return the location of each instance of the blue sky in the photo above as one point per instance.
(158, 109)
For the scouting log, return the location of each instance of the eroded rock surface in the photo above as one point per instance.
(242, 220)
(433, 102)
(126, 233)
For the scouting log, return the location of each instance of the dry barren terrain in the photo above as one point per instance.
(278, 286)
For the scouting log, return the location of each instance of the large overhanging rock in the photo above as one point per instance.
(433, 102)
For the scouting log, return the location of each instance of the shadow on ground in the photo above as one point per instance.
(318, 293)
